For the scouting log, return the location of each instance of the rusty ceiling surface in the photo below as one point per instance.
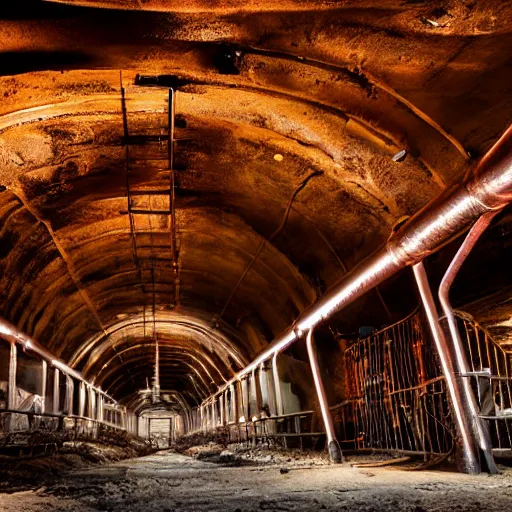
(290, 119)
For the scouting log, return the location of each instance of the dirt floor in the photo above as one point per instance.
(167, 481)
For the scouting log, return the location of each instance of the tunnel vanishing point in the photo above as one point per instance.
(287, 221)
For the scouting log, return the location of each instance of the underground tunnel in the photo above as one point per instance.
(255, 255)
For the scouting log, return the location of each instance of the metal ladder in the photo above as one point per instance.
(152, 208)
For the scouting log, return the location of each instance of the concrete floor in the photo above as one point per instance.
(170, 482)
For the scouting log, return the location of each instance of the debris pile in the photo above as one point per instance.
(22, 473)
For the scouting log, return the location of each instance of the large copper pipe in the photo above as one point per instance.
(462, 416)
(333, 446)
(486, 188)
(479, 428)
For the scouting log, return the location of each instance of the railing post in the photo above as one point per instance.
(255, 392)
(266, 383)
(11, 397)
(227, 412)
(463, 419)
(244, 392)
(56, 391)
(81, 399)
(100, 407)
(92, 404)
(333, 446)
(221, 409)
(480, 429)
(214, 414)
(44, 375)
(70, 388)
(234, 403)
(277, 386)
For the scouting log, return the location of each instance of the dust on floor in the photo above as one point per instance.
(167, 481)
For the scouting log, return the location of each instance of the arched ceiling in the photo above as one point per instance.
(288, 116)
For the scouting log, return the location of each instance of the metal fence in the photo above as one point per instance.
(491, 380)
(397, 398)
(28, 432)
(294, 430)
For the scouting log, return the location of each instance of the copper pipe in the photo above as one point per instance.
(487, 187)
(480, 430)
(463, 420)
(11, 333)
(333, 446)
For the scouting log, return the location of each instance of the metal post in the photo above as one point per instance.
(70, 388)
(333, 446)
(214, 414)
(463, 419)
(44, 370)
(81, 399)
(244, 392)
(256, 391)
(92, 404)
(234, 401)
(100, 408)
(266, 383)
(277, 386)
(56, 391)
(221, 408)
(11, 397)
(479, 428)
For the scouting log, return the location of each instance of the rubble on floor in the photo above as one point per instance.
(22, 473)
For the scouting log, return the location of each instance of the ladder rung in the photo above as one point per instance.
(165, 192)
(150, 212)
(144, 138)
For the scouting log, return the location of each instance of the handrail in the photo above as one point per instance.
(11, 334)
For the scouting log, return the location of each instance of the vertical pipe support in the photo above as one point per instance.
(11, 396)
(222, 409)
(480, 430)
(234, 399)
(463, 420)
(81, 399)
(214, 414)
(56, 391)
(92, 404)
(44, 375)
(70, 388)
(255, 391)
(277, 386)
(333, 446)
(266, 380)
(244, 391)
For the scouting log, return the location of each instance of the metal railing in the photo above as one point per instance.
(277, 431)
(27, 431)
(491, 379)
(397, 399)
